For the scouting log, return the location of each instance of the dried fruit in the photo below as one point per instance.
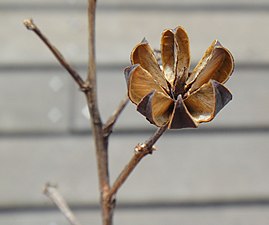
(168, 93)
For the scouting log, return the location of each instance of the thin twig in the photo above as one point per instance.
(108, 126)
(141, 150)
(155, 137)
(54, 195)
(30, 25)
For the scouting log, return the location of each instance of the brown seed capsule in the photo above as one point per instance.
(169, 93)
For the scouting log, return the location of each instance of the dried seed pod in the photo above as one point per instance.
(168, 93)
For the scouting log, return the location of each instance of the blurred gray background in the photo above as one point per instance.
(216, 174)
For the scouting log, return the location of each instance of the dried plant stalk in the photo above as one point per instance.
(101, 131)
(54, 195)
(141, 150)
(167, 93)
(30, 25)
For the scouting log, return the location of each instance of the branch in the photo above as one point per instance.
(140, 151)
(91, 94)
(108, 126)
(30, 25)
(97, 125)
(54, 195)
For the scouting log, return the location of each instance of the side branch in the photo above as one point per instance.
(141, 150)
(30, 25)
(108, 126)
(54, 195)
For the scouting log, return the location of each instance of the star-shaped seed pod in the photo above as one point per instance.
(168, 93)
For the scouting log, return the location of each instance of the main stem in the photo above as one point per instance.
(101, 132)
(97, 125)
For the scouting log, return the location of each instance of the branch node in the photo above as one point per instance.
(140, 148)
(144, 148)
(85, 88)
